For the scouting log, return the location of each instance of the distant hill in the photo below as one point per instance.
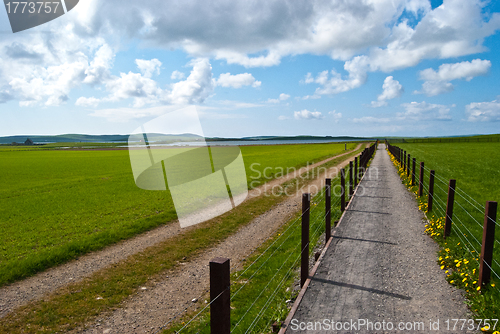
(78, 138)
(155, 137)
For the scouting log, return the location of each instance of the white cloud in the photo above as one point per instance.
(259, 33)
(371, 120)
(148, 67)
(483, 111)
(176, 75)
(335, 84)
(98, 71)
(197, 87)
(135, 86)
(87, 102)
(369, 35)
(335, 115)
(283, 118)
(423, 111)
(391, 89)
(464, 70)
(282, 97)
(238, 80)
(438, 82)
(311, 97)
(306, 114)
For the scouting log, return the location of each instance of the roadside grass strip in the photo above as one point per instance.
(73, 306)
(459, 253)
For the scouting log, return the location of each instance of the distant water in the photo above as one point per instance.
(255, 142)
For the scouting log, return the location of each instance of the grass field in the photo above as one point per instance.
(474, 166)
(59, 204)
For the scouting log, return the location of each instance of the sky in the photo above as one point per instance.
(256, 68)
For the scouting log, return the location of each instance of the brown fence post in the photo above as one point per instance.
(408, 166)
(351, 189)
(342, 190)
(421, 180)
(490, 217)
(404, 161)
(431, 191)
(328, 209)
(220, 308)
(449, 208)
(413, 172)
(304, 263)
(355, 171)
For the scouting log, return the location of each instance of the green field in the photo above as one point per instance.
(474, 166)
(59, 204)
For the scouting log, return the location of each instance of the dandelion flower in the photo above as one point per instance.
(493, 285)
(442, 267)
(478, 288)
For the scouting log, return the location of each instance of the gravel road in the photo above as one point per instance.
(380, 267)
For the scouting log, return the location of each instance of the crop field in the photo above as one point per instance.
(59, 204)
(475, 167)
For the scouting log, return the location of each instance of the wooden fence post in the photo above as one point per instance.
(408, 166)
(220, 308)
(351, 189)
(328, 209)
(421, 180)
(449, 208)
(413, 172)
(404, 161)
(355, 172)
(490, 217)
(304, 263)
(431, 191)
(342, 190)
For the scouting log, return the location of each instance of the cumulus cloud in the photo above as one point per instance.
(282, 97)
(332, 83)
(98, 71)
(306, 114)
(87, 102)
(145, 91)
(438, 82)
(423, 111)
(483, 111)
(197, 87)
(238, 80)
(391, 89)
(148, 67)
(383, 35)
(371, 120)
(335, 115)
(259, 33)
(176, 75)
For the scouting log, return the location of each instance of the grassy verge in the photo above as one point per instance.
(458, 255)
(74, 305)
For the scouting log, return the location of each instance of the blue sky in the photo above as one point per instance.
(301, 67)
